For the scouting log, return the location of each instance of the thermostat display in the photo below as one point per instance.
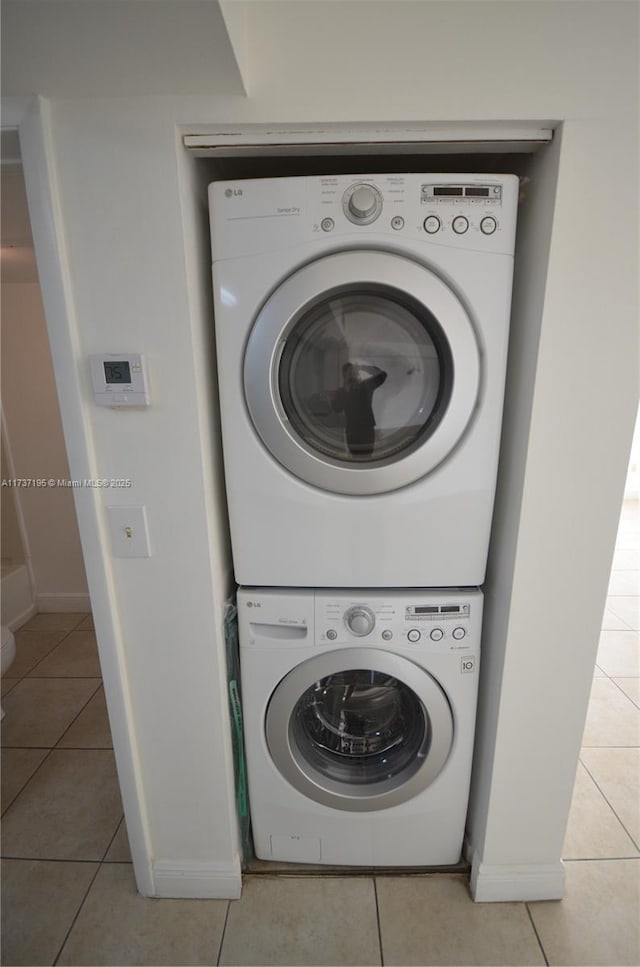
(119, 379)
(117, 372)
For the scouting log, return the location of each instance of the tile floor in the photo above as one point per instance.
(68, 890)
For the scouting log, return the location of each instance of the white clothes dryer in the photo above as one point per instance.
(362, 327)
(359, 716)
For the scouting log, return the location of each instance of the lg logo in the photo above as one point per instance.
(232, 192)
(254, 604)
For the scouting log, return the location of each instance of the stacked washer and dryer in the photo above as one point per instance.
(361, 328)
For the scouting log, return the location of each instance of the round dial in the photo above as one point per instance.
(360, 620)
(362, 204)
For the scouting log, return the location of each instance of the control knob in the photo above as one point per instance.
(360, 620)
(362, 204)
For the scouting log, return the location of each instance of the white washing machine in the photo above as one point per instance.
(362, 326)
(359, 713)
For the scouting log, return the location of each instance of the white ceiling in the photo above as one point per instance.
(112, 48)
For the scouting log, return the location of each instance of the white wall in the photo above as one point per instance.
(118, 167)
(34, 432)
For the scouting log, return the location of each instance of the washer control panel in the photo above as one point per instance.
(446, 620)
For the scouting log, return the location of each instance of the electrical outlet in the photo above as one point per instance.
(129, 531)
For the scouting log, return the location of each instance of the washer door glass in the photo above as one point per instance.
(363, 377)
(359, 729)
(362, 372)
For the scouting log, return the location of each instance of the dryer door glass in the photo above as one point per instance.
(364, 375)
(361, 727)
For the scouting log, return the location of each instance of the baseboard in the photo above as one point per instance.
(205, 881)
(496, 884)
(63, 602)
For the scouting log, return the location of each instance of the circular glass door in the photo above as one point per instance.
(359, 729)
(362, 372)
(364, 375)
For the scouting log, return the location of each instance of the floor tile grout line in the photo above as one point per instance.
(375, 893)
(28, 780)
(224, 930)
(538, 937)
(44, 657)
(609, 804)
(110, 843)
(74, 720)
(53, 748)
(77, 914)
(612, 679)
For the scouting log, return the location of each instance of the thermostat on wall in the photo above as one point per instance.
(119, 379)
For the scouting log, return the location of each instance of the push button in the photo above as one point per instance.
(488, 225)
(413, 634)
(459, 633)
(432, 224)
(460, 225)
(437, 634)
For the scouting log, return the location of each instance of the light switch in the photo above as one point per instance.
(129, 531)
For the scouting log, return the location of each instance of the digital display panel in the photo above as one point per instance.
(447, 190)
(450, 609)
(426, 610)
(476, 192)
(118, 372)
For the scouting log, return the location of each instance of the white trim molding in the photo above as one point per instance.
(535, 881)
(80, 602)
(225, 140)
(207, 881)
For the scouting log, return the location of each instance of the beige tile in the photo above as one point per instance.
(6, 684)
(118, 926)
(619, 653)
(69, 810)
(597, 922)
(87, 622)
(119, 851)
(18, 765)
(54, 621)
(75, 657)
(627, 539)
(612, 719)
(39, 710)
(302, 921)
(597, 672)
(91, 729)
(624, 582)
(627, 608)
(630, 687)
(630, 509)
(594, 831)
(626, 559)
(432, 920)
(39, 901)
(617, 773)
(31, 648)
(611, 622)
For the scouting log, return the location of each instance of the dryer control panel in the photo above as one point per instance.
(466, 211)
